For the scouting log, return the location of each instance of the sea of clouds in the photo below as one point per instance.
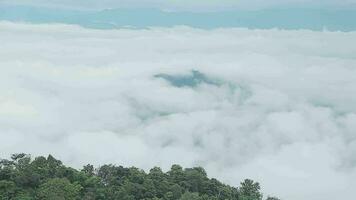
(275, 106)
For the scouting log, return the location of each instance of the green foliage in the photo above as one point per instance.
(23, 178)
(190, 196)
(7, 190)
(58, 189)
(250, 190)
(272, 198)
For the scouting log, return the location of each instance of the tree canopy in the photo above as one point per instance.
(46, 178)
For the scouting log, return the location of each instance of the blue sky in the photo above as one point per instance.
(193, 5)
(209, 14)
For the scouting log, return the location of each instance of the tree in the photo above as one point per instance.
(190, 196)
(176, 191)
(168, 196)
(46, 178)
(196, 179)
(272, 198)
(7, 190)
(58, 189)
(250, 190)
(18, 156)
(176, 174)
(160, 181)
(89, 169)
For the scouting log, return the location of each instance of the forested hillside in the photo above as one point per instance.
(41, 178)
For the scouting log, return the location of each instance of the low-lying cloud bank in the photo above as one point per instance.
(275, 106)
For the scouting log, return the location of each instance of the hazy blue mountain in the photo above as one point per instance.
(314, 19)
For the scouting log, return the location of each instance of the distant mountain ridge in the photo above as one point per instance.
(299, 18)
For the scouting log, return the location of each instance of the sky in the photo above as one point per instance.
(291, 15)
(270, 98)
(197, 5)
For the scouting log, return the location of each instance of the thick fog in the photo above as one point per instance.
(275, 106)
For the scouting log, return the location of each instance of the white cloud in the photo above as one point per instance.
(282, 111)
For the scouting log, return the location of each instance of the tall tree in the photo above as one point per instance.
(250, 190)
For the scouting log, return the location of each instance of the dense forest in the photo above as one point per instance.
(41, 178)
